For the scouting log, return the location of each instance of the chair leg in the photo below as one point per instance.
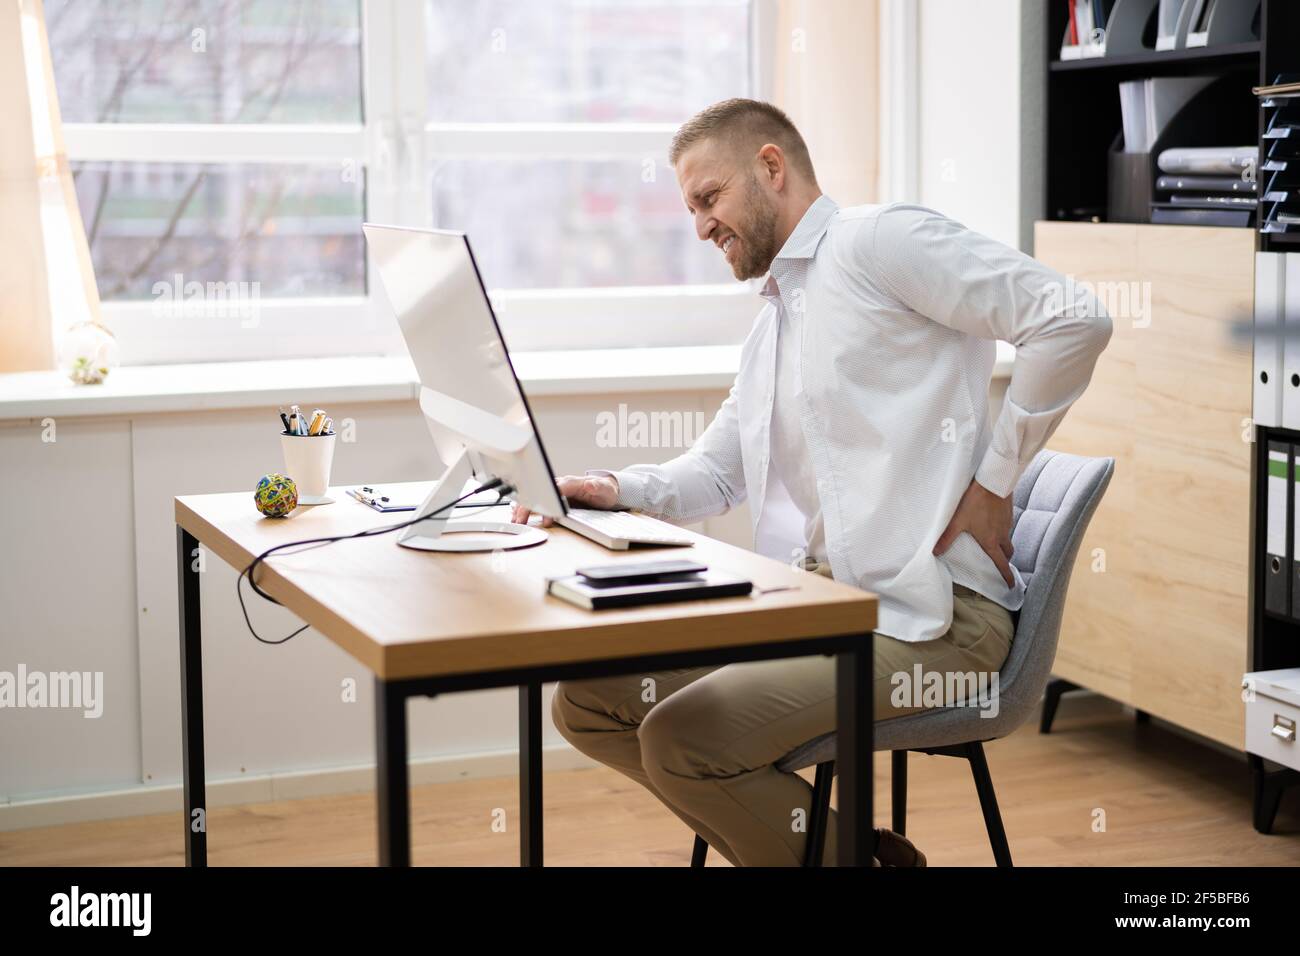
(815, 847)
(700, 851)
(989, 803)
(898, 779)
(1051, 697)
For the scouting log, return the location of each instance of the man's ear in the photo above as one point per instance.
(772, 161)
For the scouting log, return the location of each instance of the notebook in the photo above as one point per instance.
(709, 584)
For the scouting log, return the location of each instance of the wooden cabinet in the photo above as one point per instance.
(1157, 610)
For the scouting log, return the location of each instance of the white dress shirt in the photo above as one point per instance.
(791, 460)
(893, 312)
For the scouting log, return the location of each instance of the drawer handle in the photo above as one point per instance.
(1284, 727)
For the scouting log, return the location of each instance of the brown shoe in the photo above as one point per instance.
(894, 849)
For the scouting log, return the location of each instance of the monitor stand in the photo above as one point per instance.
(440, 534)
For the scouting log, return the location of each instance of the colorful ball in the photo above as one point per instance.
(276, 495)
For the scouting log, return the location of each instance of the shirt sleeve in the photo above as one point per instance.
(707, 480)
(941, 270)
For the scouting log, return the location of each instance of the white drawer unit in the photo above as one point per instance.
(1273, 715)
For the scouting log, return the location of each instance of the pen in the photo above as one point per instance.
(284, 418)
(317, 421)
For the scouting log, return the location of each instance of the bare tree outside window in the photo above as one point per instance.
(295, 229)
(146, 87)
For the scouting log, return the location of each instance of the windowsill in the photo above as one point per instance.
(160, 389)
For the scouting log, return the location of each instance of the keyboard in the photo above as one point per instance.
(620, 530)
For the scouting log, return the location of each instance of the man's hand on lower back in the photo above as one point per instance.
(988, 519)
(582, 491)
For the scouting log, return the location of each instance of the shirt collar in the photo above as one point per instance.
(804, 240)
(802, 243)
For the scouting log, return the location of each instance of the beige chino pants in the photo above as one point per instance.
(705, 740)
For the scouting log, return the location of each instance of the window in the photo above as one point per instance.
(240, 144)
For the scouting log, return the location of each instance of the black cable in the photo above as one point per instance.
(502, 490)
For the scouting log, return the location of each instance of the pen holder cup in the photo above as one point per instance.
(307, 460)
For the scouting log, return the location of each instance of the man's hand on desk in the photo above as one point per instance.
(988, 519)
(583, 491)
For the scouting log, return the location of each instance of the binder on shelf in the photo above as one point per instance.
(1124, 27)
(1266, 403)
(1277, 563)
(1294, 573)
(1205, 23)
(1290, 384)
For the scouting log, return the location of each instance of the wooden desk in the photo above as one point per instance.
(430, 623)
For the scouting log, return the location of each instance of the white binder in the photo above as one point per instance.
(1269, 296)
(1290, 383)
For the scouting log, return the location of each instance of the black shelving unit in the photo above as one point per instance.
(1083, 122)
(1083, 111)
(1274, 639)
(1279, 56)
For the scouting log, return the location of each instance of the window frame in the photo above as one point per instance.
(391, 147)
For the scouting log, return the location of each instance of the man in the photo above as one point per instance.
(857, 429)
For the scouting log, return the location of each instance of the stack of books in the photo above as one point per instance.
(1207, 186)
(594, 596)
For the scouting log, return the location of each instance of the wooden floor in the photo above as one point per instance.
(1166, 801)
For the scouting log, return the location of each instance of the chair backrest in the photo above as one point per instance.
(1054, 500)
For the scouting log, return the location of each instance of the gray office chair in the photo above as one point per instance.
(1053, 503)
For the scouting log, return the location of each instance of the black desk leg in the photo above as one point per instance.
(530, 775)
(392, 783)
(196, 812)
(853, 751)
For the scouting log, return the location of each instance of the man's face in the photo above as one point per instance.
(732, 209)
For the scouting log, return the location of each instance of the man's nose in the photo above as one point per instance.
(704, 225)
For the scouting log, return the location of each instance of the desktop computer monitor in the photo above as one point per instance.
(477, 414)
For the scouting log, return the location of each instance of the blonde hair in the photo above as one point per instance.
(744, 124)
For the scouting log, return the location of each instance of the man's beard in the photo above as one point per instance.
(758, 239)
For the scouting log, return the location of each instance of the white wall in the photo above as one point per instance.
(979, 114)
(88, 583)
